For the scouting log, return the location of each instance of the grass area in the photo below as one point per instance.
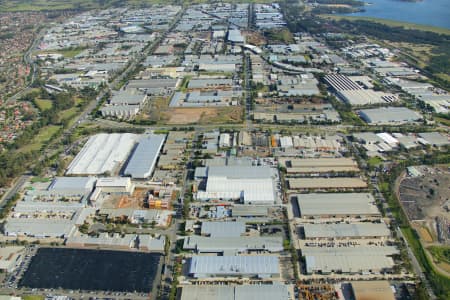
(33, 297)
(43, 104)
(280, 35)
(71, 52)
(374, 161)
(440, 253)
(39, 179)
(44, 135)
(391, 23)
(442, 121)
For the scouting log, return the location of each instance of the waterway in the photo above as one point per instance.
(425, 12)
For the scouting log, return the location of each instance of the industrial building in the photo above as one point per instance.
(102, 154)
(115, 185)
(143, 160)
(238, 292)
(223, 229)
(389, 115)
(336, 204)
(349, 260)
(255, 266)
(233, 245)
(319, 165)
(72, 185)
(250, 185)
(117, 241)
(355, 92)
(344, 230)
(39, 228)
(338, 183)
(372, 290)
(10, 258)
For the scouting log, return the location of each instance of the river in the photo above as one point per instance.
(426, 12)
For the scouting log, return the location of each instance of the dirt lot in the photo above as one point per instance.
(206, 115)
(134, 201)
(425, 200)
(254, 38)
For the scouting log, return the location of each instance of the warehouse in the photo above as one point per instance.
(10, 258)
(348, 260)
(127, 98)
(143, 160)
(319, 165)
(250, 185)
(343, 230)
(223, 229)
(208, 83)
(115, 185)
(261, 266)
(235, 36)
(435, 139)
(103, 153)
(341, 183)
(72, 185)
(389, 115)
(154, 86)
(238, 292)
(372, 290)
(118, 241)
(355, 92)
(233, 245)
(39, 228)
(336, 204)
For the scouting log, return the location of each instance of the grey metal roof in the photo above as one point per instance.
(385, 115)
(244, 172)
(223, 229)
(345, 230)
(239, 292)
(337, 204)
(435, 138)
(125, 97)
(233, 245)
(144, 158)
(80, 184)
(263, 265)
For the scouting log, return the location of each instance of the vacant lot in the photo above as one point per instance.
(204, 115)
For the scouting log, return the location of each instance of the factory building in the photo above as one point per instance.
(344, 230)
(238, 292)
(349, 260)
(143, 160)
(103, 154)
(389, 115)
(249, 184)
(260, 266)
(336, 204)
(233, 245)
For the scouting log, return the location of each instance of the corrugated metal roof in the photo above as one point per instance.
(337, 204)
(223, 229)
(345, 230)
(264, 265)
(144, 158)
(239, 292)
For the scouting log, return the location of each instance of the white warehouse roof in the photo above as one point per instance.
(255, 265)
(337, 204)
(345, 230)
(143, 160)
(238, 292)
(253, 184)
(102, 153)
(223, 229)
